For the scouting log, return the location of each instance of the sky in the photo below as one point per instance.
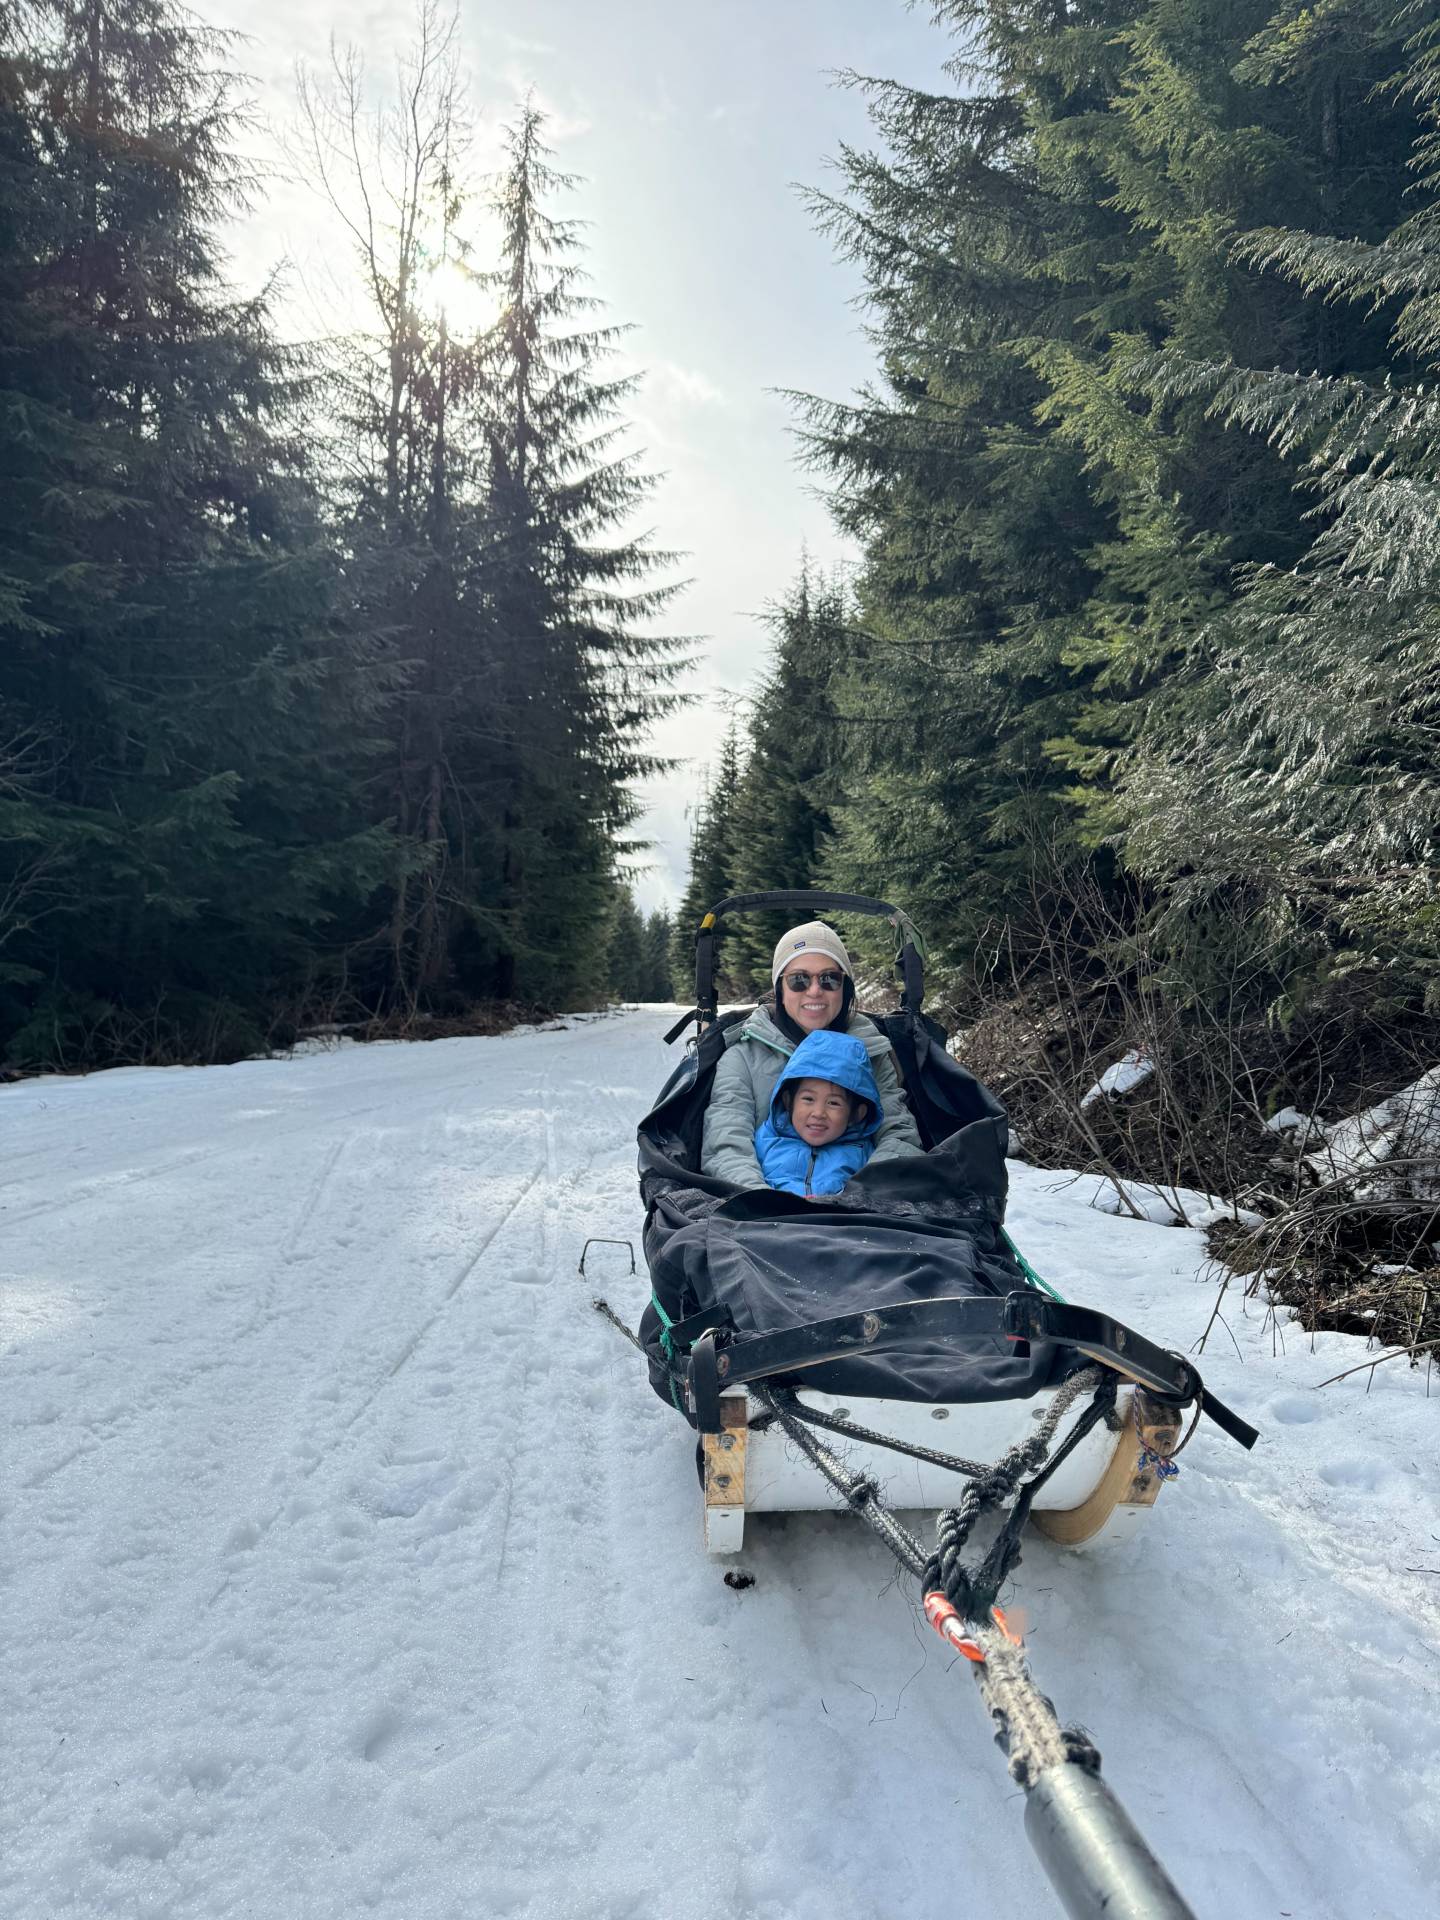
(692, 128)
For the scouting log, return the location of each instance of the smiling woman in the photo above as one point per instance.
(814, 994)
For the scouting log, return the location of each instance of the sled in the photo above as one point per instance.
(1100, 1492)
(900, 1307)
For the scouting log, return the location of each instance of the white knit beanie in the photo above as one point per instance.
(802, 944)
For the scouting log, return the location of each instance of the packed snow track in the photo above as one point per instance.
(350, 1566)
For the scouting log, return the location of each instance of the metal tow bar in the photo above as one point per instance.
(1094, 1856)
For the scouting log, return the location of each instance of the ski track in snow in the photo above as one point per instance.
(350, 1566)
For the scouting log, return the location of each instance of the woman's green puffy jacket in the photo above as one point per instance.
(755, 1053)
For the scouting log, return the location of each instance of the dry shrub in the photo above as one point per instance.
(1067, 989)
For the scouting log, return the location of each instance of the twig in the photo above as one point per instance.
(1399, 1352)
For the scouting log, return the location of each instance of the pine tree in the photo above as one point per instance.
(783, 807)
(1287, 782)
(488, 487)
(658, 931)
(1044, 545)
(712, 841)
(627, 955)
(182, 821)
(569, 603)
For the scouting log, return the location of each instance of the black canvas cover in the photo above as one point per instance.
(916, 1228)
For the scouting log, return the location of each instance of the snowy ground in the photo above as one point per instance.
(351, 1567)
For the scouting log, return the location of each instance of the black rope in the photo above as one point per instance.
(1015, 1704)
(832, 1423)
(974, 1590)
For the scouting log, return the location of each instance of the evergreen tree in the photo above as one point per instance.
(181, 820)
(411, 504)
(481, 519)
(627, 951)
(658, 931)
(712, 840)
(1291, 770)
(783, 806)
(1043, 546)
(568, 602)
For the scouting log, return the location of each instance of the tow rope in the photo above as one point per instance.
(1095, 1858)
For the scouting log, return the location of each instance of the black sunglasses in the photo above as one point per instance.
(827, 982)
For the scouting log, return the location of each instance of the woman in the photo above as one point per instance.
(814, 990)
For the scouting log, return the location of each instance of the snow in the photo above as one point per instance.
(1132, 1068)
(352, 1568)
(1392, 1148)
(1308, 1128)
(1163, 1206)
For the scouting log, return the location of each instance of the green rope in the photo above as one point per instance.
(667, 1347)
(1029, 1272)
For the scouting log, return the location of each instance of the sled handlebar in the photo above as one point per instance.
(909, 954)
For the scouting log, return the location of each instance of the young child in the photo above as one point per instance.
(824, 1115)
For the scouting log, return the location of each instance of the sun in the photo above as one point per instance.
(455, 293)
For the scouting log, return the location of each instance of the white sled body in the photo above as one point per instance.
(1099, 1490)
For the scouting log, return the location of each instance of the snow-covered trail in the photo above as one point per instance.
(350, 1565)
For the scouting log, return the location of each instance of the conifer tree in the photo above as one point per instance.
(569, 597)
(1290, 770)
(181, 822)
(1044, 546)
(627, 955)
(784, 803)
(712, 840)
(658, 932)
(483, 519)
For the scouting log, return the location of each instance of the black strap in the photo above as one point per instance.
(1019, 1316)
(912, 978)
(1228, 1420)
(680, 1025)
(704, 1382)
(684, 1333)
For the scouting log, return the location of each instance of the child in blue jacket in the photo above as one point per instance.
(824, 1115)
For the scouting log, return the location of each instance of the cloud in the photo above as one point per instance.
(666, 383)
(560, 125)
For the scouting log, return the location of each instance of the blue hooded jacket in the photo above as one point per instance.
(793, 1164)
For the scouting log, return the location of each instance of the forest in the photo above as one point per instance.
(331, 672)
(1132, 702)
(327, 672)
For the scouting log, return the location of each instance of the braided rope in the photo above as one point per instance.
(973, 1591)
(832, 1423)
(1027, 1729)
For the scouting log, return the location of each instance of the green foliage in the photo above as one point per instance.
(712, 840)
(639, 957)
(1062, 524)
(782, 813)
(182, 731)
(266, 746)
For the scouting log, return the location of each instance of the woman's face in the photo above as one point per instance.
(815, 1004)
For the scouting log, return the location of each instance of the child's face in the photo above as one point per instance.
(820, 1111)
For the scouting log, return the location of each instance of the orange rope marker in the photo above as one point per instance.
(951, 1628)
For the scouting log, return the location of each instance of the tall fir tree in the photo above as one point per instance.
(1043, 544)
(482, 517)
(187, 726)
(789, 791)
(711, 875)
(1287, 781)
(658, 931)
(569, 596)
